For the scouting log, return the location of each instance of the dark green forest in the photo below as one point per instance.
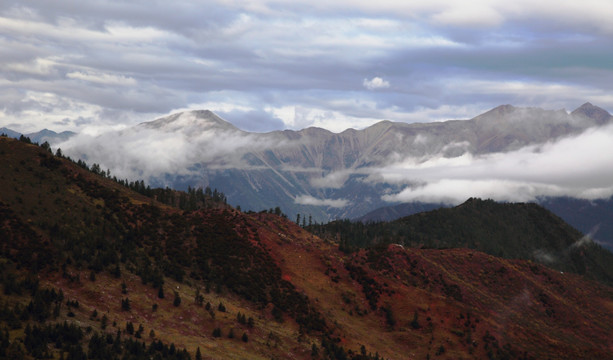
(507, 230)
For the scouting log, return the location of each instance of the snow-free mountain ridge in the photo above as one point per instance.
(315, 171)
(40, 136)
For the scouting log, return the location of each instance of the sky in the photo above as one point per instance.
(91, 66)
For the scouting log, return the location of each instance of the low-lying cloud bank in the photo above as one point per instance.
(309, 200)
(145, 152)
(580, 167)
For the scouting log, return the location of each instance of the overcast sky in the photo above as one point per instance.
(266, 65)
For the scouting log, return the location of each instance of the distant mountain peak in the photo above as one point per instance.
(502, 109)
(497, 113)
(202, 119)
(593, 112)
(47, 135)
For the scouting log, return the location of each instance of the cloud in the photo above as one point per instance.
(256, 120)
(37, 66)
(309, 200)
(322, 115)
(107, 79)
(294, 64)
(548, 257)
(376, 83)
(474, 15)
(544, 256)
(579, 166)
(587, 238)
(173, 145)
(332, 180)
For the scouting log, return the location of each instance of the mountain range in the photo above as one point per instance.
(508, 153)
(40, 137)
(368, 174)
(91, 269)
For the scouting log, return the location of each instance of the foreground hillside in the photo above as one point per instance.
(93, 270)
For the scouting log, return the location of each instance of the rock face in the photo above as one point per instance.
(592, 112)
(303, 171)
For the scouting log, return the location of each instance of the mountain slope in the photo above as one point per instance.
(593, 218)
(314, 171)
(524, 231)
(111, 253)
(391, 213)
(42, 136)
(70, 225)
(9, 132)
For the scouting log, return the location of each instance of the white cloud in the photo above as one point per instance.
(463, 13)
(333, 180)
(300, 117)
(216, 107)
(101, 78)
(456, 191)
(375, 83)
(154, 149)
(299, 61)
(544, 256)
(475, 14)
(580, 166)
(309, 200)
(38, 66)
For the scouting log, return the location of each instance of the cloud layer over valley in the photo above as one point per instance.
(153, 149)
(580, 166)
(506, 154)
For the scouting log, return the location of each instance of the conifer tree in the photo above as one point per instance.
(177, 300)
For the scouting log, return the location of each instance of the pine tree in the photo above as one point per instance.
(130, 328)
(125, 304)
(177, 300)
(415, 322)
